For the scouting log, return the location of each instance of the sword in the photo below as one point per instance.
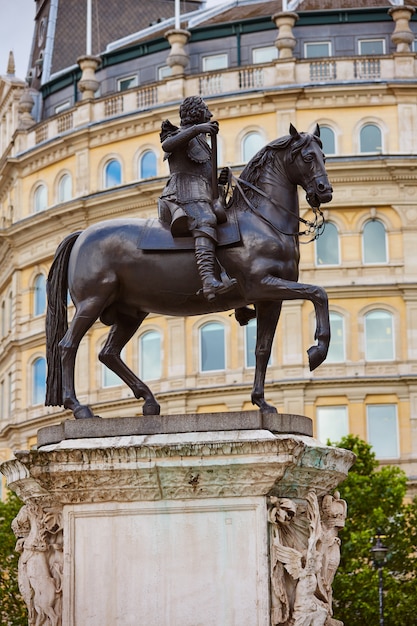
(215, 188)
(218, 207)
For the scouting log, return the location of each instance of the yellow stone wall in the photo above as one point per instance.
(29, 244)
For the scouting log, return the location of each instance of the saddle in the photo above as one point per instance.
(156, 235)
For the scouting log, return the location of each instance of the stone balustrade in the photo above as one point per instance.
(284, 72)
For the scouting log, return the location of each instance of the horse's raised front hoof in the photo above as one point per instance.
(83, 412)
(316, 357)
(151, 407)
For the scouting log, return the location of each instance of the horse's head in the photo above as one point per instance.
(306, 166)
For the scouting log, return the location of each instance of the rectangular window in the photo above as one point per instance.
(164, 72)
(316, 49)
(264, 55)
(332, 423)
(383, 430)
(62, 107)
(215, 62)
(123, 84)
(371, 47)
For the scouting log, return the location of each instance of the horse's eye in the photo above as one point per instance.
(308, 156)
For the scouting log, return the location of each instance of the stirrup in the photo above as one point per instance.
(211, 291)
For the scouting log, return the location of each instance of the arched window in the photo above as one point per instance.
(38, 381)
(252, 142)
(374, 242)
(150, 356)
(212, 348)
(39, 295)
(109, 378)
(65, 188)
(328, 140)
(370, 138)
(379, 336)
(250, 343)
(112, 174)
(336, 352)
(147, 165)
(40, 198)
(327, 246)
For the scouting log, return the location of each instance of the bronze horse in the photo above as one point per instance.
(110, 278)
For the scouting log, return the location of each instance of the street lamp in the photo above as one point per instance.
(379, 552)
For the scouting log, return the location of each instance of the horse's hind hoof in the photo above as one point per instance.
(83, 412)
(151, 407)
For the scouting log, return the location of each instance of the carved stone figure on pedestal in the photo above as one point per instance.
(304, 553)
(40, 539)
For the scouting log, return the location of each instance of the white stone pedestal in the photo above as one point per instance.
(218, 528)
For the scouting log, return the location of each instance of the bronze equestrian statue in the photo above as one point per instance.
(188, 195)
(114, 275)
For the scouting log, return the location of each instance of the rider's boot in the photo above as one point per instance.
(205, 257)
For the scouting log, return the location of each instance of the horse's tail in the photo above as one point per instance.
(56, 318)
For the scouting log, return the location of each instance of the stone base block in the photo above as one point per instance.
(226, 527)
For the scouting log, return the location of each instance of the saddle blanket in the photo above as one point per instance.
(156, 235)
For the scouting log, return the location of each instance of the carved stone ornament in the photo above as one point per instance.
(267, 491)
(148, 467)
(39, 535)
(304, 556)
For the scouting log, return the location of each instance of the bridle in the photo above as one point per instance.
(316, 226)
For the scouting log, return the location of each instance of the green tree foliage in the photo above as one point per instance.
(12, 607)
(375, 498)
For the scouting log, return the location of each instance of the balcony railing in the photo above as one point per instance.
(279, 74)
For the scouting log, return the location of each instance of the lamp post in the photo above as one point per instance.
(379, 552)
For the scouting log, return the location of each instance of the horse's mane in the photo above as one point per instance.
(256, 166)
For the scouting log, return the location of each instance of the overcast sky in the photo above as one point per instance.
(16, 31)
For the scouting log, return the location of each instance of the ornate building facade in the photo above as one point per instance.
(79, 143)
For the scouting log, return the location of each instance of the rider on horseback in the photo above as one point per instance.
(188, 201)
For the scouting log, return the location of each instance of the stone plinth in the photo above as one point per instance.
(209, 528)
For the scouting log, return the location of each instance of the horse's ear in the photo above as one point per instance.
(294, 132)
(317, 131)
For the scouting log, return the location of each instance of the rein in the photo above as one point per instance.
(316, 226)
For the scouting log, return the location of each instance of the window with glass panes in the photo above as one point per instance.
(212, 347)
(383, 430)
(379, 336)
(332, 423)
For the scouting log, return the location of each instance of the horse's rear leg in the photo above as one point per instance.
(267, 316)
(120, 333)
(85, 316)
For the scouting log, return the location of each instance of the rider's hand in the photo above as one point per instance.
(208, 128)
(224, 176)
